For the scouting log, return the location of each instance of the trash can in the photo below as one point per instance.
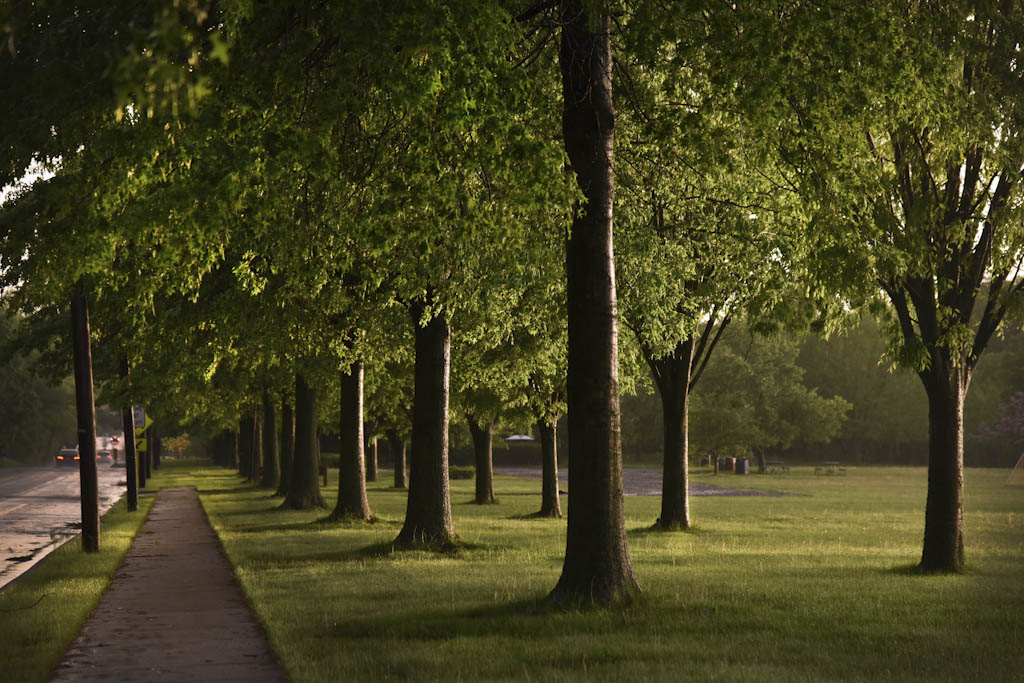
(742, 466)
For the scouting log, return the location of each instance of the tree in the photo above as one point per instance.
(597, 567)
(913, 186)
(352, 500)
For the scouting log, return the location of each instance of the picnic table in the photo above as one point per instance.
(773, 466)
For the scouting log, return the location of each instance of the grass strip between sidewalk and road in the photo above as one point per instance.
(44, 609)
(816, 586)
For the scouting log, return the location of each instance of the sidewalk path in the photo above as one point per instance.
(173, 611)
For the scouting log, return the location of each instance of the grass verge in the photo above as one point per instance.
(809, 587)
(42, 612)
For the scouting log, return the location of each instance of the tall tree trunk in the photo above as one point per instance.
(397, 448)
(156, 444)
(597, 568)
(944, 512)
(257, 448)
(271, 459)
(672, 377)
(147, 456)
(550, 505)
(236, 447)
(428, 513)
(304, 490)
(352, 501)
(246, 430)
(86, 411)
(130, 461)
(287, 446)
(483, 458)
(371, 456)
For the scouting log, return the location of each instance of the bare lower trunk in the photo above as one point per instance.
(287, 446)
(550, 505)
(304, 490)
(271, 459)
(371, 458)
(246, 432)
(352, 501)
(483, 453)
(597, 568)
(130, 456)
(944, 513)
(672, 377)
(428, 513)
(86, 412)
(397, 448)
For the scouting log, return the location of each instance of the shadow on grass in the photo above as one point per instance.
(536, 516)
(655, 530)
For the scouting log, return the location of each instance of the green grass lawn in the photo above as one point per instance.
(815, 586)
(809, 587)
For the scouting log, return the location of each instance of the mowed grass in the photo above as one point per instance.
(815, 586)
(43, 610)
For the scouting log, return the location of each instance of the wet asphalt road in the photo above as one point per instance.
(40, 508)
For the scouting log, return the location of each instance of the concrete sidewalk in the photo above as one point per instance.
(173, 611)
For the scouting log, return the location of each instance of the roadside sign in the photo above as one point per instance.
(142, 420)
(140, 444)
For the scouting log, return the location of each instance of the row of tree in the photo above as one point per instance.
(277, 200)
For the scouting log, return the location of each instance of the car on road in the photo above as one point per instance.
(67, 456)
(104, 456)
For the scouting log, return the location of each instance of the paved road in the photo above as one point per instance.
(638, 481)
(40, 509)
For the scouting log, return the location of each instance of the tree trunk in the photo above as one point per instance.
(287, 446)
(672, 377)
(397, 448)
(370, 449)
(147, 457)
(86, 411)
(246, 428)
(153, 439)
(130, 461)
(550, 504)
(428, 513)
(257, 448)
(944, 512)
(352, 501)
(271, 459)
(597, 568)
(483, 459)
(304, 487)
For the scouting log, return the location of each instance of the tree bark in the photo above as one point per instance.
(550, 503)
(672, 377)
(371, 456)
(397, 448)
(352, 501)
(246, 431)
(287, 446)
(944, 511)
(597, 568)
(428, 513)
(153, 438)
(130, 461)
(271, 459)
(483, 453)
(304, 490)
(86, 412)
